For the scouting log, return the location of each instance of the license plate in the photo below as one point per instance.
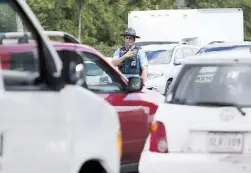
(225, 142)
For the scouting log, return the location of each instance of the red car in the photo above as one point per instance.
(136, 108)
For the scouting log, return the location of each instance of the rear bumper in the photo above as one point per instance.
(193, 163)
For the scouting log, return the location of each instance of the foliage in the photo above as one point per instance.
(103, 21)
(7, 18)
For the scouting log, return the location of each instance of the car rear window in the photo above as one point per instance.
(221, 83)
(24, 62)
(20, 62)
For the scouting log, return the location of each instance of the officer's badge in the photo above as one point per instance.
(133, 63)
(123, 52)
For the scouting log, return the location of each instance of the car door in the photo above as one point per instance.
(104, 81)
(33, 136)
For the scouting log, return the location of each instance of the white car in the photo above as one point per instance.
(225, 46)
(164, 63)
(48, 123)
(204, 124)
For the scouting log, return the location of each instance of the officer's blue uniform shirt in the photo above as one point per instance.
(141, 57)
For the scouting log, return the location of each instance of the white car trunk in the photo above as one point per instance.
(197, 129)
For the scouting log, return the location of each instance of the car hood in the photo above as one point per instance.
(154, 96)
(158, 69)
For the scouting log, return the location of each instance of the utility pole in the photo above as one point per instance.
(20, 27)
(181, 3)
(80, 19)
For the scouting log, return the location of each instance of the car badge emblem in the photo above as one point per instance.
(227, 115)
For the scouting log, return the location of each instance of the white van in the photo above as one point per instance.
(47, 122)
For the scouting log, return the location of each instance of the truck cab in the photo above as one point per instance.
(49, 122)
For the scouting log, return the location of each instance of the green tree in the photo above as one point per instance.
(7, 19)
(100, 22)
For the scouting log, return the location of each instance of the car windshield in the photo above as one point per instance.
(225, 48)
(209, 84)
(159, 56)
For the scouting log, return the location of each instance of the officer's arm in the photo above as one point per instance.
(144, 65)
(116, 60)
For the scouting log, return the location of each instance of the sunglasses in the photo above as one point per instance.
(129, 38)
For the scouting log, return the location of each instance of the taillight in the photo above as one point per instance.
(158, 139)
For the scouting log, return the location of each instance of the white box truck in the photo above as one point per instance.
(192, 26)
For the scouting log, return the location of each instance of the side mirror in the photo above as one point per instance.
(73, 71)
(178, 62)
(76, 72)
(135, 84)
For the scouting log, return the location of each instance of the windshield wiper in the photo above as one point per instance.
(238, 107)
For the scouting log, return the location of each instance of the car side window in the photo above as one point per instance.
(188, 52)
(99, 76)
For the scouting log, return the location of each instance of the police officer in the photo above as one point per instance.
(130, 59)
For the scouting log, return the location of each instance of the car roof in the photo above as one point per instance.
(20, 48)
(227, 44)
(152, 47)
(144, 43)
(158, 47)
(20, 37)
(232, 57)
